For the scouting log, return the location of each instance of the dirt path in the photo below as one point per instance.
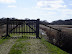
(5, 47)
(36, 47)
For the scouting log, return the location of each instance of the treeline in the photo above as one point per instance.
(58, 22)
(3, 20)
(62, 22)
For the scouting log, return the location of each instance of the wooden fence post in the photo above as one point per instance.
(7, 24)
(37, 28)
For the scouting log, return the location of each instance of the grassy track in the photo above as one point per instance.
(28, 46)
(34, 46)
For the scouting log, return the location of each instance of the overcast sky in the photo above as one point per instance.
(49, 10)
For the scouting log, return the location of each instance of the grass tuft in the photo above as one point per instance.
(2, 40)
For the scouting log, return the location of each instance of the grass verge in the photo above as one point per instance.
(52, 48)
(2, 40)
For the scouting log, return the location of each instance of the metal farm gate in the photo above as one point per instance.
(22, 27)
